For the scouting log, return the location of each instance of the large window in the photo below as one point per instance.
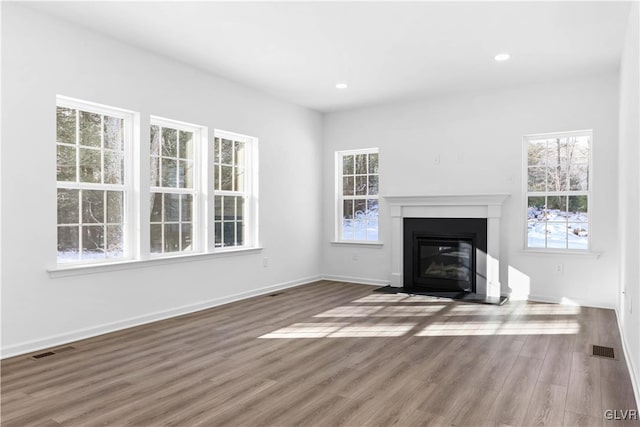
(234, 190)
(174, 175)
(93, 181)
(558, 190)
(357, 192)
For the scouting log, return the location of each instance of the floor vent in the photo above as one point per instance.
(51, 353)
(41, 355)
(276, 294)
(606, 352)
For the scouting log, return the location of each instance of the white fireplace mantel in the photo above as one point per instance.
(487, 206)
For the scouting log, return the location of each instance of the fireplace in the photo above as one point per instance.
(487, 207)
(440, 254)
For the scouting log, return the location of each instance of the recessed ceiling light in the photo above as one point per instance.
(341, 86)
(502, 57)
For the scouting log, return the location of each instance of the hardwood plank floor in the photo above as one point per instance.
(333, 354)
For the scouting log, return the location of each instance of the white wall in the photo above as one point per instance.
(478, 138)
(43, 57)
(629, 181)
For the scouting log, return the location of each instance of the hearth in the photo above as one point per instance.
(440, 254)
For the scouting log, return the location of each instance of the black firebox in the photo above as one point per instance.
(440, 253)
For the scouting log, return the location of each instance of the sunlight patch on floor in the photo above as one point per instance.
(535, 310)
(341, 330)
(381, 311)
(537, 327)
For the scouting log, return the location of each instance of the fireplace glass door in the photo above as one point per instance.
(446, 264)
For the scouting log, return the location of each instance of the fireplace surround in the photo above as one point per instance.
(487, 206)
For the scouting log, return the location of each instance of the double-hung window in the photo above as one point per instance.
(357, 195)
(235, 190)
(558, 190)
(94, 182)
(175, 179)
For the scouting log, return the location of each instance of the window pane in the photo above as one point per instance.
(185, 174)
(239, 178)
(557, 208)
(169, 142)
(359, 230)
(90, 129)
(169, 173)
(68, 206)
(113, 167)
(186, 237)
(361, 185)
(216, 177)
(217, 208)
(347, 209)
(66, 125)
(156, 207)
(229, 233)
(579, 177)
(218, 234)
(239, 208)
(68, 244)
(216, 150)
(93, 242)
(154, 132)
(154, 171)
(557, 235)
(578, 235)
(359, 208)
(171, 208)
(361, 163)
(537, 153)
(156, 238)
(239, 154)
(115, 207)
(186, 145)
(186, 207)
(347, 229)
(113, 130)
(90, 165)
(372, 229)
(226, 178)
(115, 246)
(66, 163)
(229, 208)
(373, 163)
(347, 185)
(171, 237)
(373, 185)
(226, 152)
(536, 179)
(240, 233)
(536, 225)
(92, 206)
(347, 165)
(372, 209)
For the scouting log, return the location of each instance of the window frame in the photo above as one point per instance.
(339, 196)
(250, 193)
(130, 123)
(565, 193)
(200, 149)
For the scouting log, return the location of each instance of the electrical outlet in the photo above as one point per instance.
(559, 268)
(436, 159)
(354, 257)
(265, 262)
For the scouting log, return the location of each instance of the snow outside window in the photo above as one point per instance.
(558, 190)
(357, 181)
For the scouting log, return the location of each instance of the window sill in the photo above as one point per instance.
(561, 252)
(79, 270)
(355, 243)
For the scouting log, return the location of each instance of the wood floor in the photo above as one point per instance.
(330, 354)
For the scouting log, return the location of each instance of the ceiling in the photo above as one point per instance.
(385, 51)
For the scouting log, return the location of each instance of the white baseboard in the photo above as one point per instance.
(358, 280)
(570, 301)
(60, 339)
(633, 370)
